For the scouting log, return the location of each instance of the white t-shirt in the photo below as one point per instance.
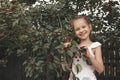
(84, 71)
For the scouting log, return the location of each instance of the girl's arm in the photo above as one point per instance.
(97, 62)
(65, 65)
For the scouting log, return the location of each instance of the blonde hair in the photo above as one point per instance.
(79, 17)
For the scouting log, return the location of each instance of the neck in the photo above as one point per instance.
(86, 41)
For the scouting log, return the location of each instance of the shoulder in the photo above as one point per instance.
(95, 44)
(97, 47)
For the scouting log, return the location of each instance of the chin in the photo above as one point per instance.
(83, 38)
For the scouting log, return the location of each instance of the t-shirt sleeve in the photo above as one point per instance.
(96, 44)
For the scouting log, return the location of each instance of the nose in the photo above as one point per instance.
(81, 30)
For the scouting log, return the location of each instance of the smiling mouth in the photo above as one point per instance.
(83, 33)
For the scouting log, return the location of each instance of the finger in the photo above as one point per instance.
(87, 53)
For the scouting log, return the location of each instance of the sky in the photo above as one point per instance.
(37, 3)
(85, 12)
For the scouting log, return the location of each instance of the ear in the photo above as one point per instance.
(90, 26)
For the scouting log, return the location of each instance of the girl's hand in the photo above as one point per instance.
(87, 55)
(63, 63)
(65, 66)
(87, 52)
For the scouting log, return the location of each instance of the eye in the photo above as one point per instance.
(83, 26)
(77, 29)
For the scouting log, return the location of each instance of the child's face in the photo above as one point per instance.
(82, 28)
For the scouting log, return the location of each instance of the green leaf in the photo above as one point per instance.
(46, 45)
(78, 68)
(15, 22)
(36, 47)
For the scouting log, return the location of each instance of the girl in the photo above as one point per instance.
(82, 28)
